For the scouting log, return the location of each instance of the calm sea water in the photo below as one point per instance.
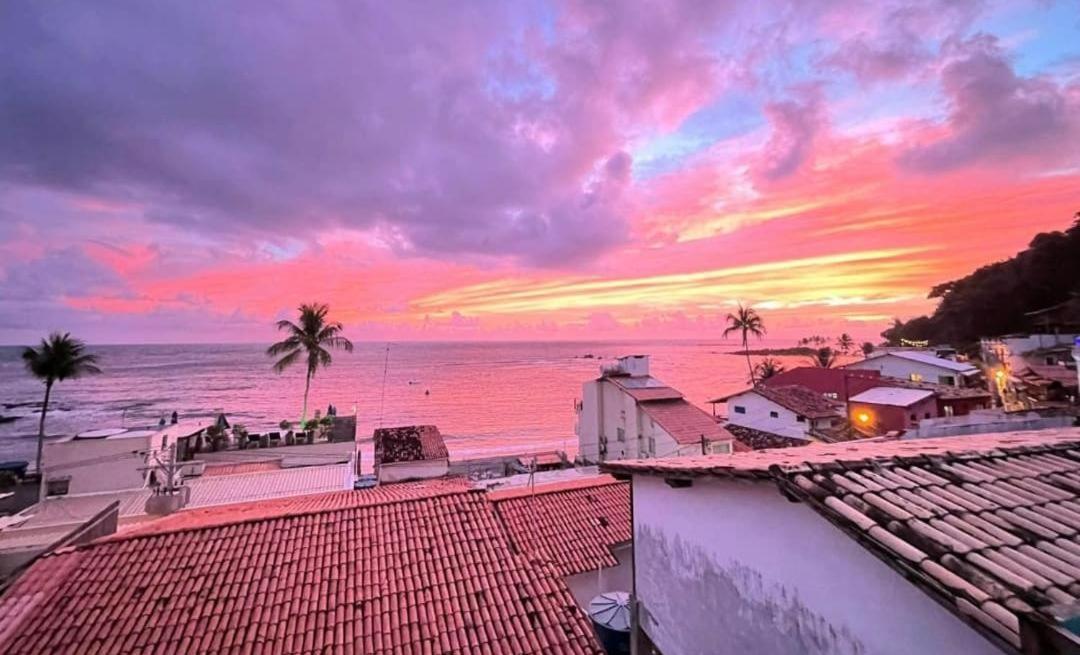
(486, 397)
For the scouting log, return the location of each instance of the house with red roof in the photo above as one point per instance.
(626, 413)
(791, 411)
(410, 452)
(427, 567)
(966, 544)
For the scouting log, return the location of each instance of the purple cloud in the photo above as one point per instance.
(795, 123)
(995, 114)
(449, 128)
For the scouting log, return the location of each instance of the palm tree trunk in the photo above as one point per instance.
(307, 388)
(41, 441)
(749, 366)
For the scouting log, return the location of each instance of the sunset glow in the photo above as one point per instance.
(523, 170)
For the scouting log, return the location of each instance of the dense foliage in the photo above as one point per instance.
(994, 299)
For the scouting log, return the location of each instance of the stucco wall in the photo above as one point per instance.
(898, 367)
(757, 416)
(733, 567)
(399, 471)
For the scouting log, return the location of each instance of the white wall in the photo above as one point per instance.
(399, 471)
(734, 567)
(758, 416)
(97, 465)
(898, 367)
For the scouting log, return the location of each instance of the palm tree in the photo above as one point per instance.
(823, 357)
(746, 321)
(310, 341)
(58, 358)
(867, 350)
(845, 343)
(767, 368)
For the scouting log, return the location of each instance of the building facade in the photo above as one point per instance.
(789, 411)
(920, 367)
(628, 414)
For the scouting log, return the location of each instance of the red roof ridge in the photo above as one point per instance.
(146, 530)
(603, 479)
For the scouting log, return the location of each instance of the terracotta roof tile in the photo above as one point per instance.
(800, 400)
(410, 443)
(433, 574)
(988, 524)
(230, 468)
(684, 422)
(760, 439)
(570, 525)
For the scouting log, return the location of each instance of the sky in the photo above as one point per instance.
(192, 172)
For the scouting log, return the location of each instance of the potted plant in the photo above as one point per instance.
(240, 435)
(216, 434)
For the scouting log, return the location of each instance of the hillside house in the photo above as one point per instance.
(920, 367)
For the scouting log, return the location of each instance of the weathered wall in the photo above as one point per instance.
(399, 471)
(733, 567)
(97, 465)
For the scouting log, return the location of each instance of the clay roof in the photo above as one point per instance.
(1048, 372)
(685, 423)
(570, 525)
(231, 468)
(797, 398)
(434, 574)
(760, 439)
(410, 443)
(987, 524)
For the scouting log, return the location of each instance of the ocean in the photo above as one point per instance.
(486, 397)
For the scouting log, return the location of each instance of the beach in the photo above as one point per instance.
(488, 398)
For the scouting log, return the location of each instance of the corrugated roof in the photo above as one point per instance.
(924, 358)
(988, 524)
(894, 396)
(571, 525)
(426, 575)
(685, 423)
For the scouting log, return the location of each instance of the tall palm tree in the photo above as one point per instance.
(867, 349)
(845, 343)
(310, 341)
(59, 357)
(767, 368)
(823, 357)
(746, 321)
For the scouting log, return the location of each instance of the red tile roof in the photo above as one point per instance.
(800, 400)
(428, 575)
(827, 380)
(206, 517)
(684, 422)
(570, 525)
(760, 439)
(989, 525)
(410, 443)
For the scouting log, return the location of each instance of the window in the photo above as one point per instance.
(949, 411)
(620, 434)
(652, 446)
(927, 415)
(916, 377)
(774, 414)
(722, 447)
(914, 418)
(832, 394)
(739, 409)
(947, 380)
(800, 419)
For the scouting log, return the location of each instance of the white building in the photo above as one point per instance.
(868, 548)
(920, 367)
(789, 411)
(411, 452)
(627, 414)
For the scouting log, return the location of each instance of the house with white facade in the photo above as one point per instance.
(920, 367)
(937, 547)
(628, 414)
(792, 411)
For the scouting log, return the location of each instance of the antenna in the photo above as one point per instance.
(382, 395)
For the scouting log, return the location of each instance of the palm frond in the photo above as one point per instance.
(287, 361)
